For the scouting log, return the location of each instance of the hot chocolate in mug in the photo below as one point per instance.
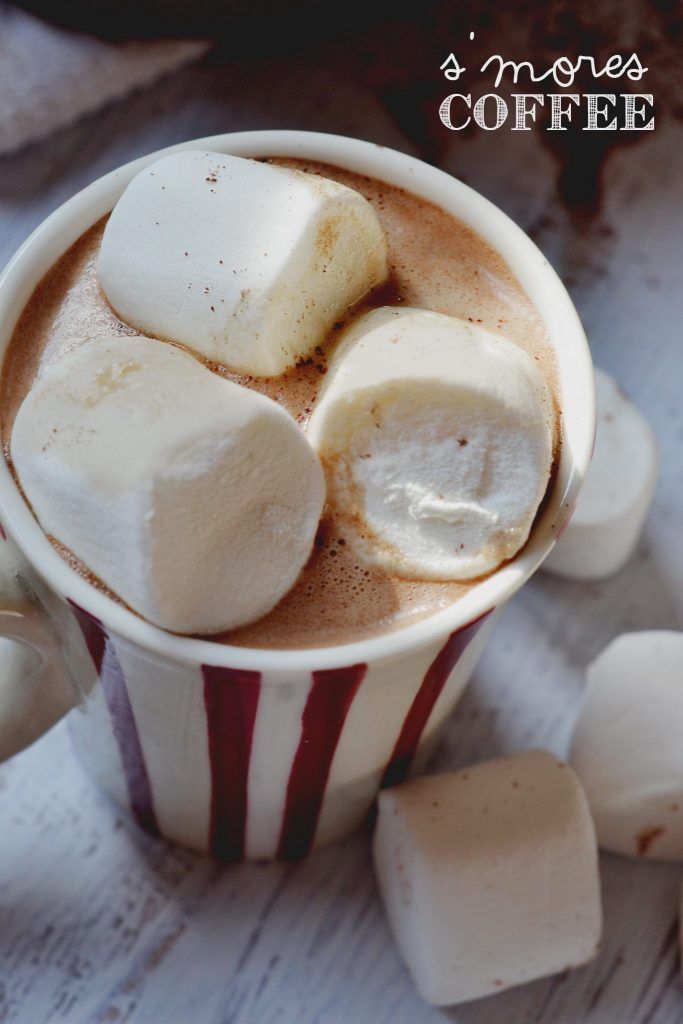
(258, 753)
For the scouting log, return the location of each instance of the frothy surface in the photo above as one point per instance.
(436, 263)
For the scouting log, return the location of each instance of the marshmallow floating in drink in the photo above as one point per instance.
(246, 263)
(617, 492)
(437, 438)
(192, 498)
(489, 876)
(627, 747)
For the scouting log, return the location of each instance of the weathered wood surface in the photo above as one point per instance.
(100, 924)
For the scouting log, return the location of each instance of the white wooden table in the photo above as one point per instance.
(99, 923)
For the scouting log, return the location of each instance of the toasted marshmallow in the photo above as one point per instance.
(489, 876)
(627, 747)
(246, 263)
(616, 494)
(437, 438)
(192, 498)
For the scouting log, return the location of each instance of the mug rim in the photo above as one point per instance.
(56, 234)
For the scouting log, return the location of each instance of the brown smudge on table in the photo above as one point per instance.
(646, 837)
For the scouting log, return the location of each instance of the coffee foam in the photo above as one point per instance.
(436, 263)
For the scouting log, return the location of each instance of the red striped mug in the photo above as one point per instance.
(257, 753)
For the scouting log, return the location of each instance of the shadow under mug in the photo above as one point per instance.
(234, 751)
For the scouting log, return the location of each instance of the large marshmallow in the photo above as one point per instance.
(489, 876)
(247, 263)
(437, 438)
(617, 491)
(192, 498)
(627, 747)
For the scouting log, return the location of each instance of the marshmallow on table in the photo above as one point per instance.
(489, 876)
(437, 437)
(617, 492)
(247, 263)
(192, 498)
(627, 747)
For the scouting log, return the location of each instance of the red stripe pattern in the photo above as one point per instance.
(108, 667)
(231, 700)
(432, 685)
(323, 718)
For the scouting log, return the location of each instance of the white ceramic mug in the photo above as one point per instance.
(240, 752)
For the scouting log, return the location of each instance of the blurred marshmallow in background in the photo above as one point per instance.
(620, 484)
(627, 747)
